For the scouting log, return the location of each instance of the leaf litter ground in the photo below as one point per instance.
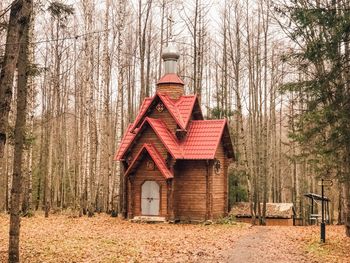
(102, 238)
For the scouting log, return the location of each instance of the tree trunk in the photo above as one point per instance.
(346, 192)
(19, 10)
(19, 133)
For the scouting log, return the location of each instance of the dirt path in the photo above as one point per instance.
(267, 244)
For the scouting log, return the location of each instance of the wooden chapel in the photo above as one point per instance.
(175, 162)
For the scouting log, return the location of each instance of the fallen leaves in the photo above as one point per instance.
(106, 239)
(335, 250)
(60, 238)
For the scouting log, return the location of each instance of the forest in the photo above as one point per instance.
(74, 73)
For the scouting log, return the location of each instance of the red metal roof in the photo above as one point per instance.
(160, 129)
(169, 140)
(143, 109)
(185, 106)
(174, 111)
(179, 110)
(128, 137)
(171, 78)
(203, 138)
(156, 157)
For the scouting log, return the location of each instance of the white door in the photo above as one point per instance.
(150, 198)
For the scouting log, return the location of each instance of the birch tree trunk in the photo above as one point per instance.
(119, 186)
(142, 33)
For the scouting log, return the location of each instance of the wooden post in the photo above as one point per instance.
(208, 214)
(124, 194)
(170, 200)
(312, 209)
(132, 201)
(225, 167)
(328, 216)
(323, 226)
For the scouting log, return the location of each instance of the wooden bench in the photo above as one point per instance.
(315, 218)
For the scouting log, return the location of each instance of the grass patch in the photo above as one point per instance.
(317, 249)
(228, 220)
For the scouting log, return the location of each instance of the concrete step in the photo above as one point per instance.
(148, 219)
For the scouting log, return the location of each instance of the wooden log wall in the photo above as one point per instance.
(220, 185)
(149, 136)
(190, 190)
(174, 91)
(164, 116)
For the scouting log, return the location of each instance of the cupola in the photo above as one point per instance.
(170, 83)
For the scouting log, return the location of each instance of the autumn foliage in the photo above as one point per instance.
(61, 238)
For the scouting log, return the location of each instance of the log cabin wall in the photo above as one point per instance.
(166, 117)
(141, 175)
(190, 190)
(174, 91)
(220, 185)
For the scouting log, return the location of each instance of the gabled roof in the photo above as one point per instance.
(201, 143)
(125, 142)
(203, 138)
(181, 110)
(185, 105)
(174, 111)
(160, 129)
(156, 157)
(142, 111)
(168, 103)
(169, 140)
(171, 78)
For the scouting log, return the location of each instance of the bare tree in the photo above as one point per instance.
(9, 66)
(19, 133)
